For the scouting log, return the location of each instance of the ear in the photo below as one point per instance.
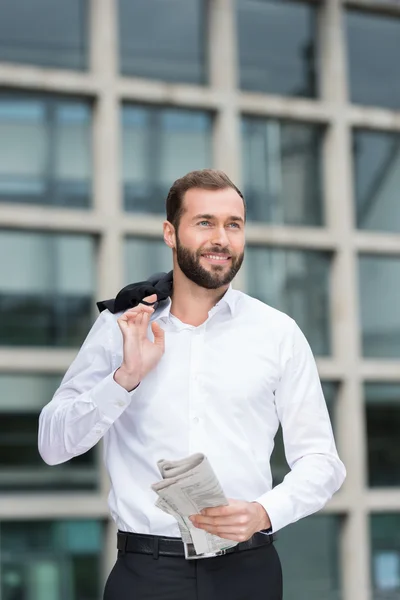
(169, 234)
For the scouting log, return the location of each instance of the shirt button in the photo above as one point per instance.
(120, 403)
(196, 420)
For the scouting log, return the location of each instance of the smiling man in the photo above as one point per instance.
(199, 368)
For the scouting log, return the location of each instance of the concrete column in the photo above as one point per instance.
(106, 146)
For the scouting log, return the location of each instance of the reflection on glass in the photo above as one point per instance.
(51, 560)
(385, 555)
(277, 47)
(163, 40)
(297, 283)
(160, 145)
(145, 257)
(46, 288)
(383, 426)
(309, 551)
(22, 397)
(279, 466)
(59, 38)
(45, 150)
(379, 278)
(373, 48)
(282, 168)
(377, 180)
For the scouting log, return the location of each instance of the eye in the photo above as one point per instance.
(236, 225)
(202, 223)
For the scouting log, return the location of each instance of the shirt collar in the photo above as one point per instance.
(229, 299)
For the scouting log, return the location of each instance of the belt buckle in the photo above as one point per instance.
(190, 553)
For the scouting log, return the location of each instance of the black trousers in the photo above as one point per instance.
(249, 575)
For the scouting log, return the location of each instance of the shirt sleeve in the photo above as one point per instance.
(88, 400)
(316, 470)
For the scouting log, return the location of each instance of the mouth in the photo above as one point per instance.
(216, 258)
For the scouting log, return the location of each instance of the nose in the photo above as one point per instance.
(220, 237)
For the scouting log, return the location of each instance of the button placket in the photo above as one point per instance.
(195, 397)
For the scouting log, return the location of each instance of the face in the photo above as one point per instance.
(209, 243)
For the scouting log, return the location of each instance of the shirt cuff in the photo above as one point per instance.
(111, 398)
(278, 508)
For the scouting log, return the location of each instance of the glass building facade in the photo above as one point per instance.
(103, 104)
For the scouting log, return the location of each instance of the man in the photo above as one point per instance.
(208, 370)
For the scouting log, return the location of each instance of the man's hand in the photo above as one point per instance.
(238, 521)
(140, 354)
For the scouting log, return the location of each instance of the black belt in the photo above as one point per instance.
(168, 546)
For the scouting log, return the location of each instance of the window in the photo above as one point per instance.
(279, 466)
(22, 396)
(385, 553)
(297, 283)
(51, 560)
(309, 551)
(380, 308)
(45, 150)
(51, 33)
(282, 170)
(377, 180)
(277, 47)
(163, 40)
(160, 145)
(383, 426)
(46, 288)
(145, 257)
(373, 46)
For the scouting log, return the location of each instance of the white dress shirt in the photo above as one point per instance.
(221, 388)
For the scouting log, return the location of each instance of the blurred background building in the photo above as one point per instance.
(103, 104)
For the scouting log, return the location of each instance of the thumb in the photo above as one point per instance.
(159, 335)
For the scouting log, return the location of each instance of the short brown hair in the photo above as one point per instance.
(206, 179)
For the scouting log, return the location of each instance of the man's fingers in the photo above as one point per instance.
(159, 335)
(143, 321)
(139, 309)
(220, 511)
(216, 521)
(150, 299)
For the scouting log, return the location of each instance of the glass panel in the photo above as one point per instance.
(38, 561)
(282, 170)
(309, 551)
(46, 288)
(144, 257)
(279, 466)
(385, 555)
(277, 47)
(383, 426)
(22, 396)
(297, 283)
(45, 150)
(380, 308)
(160, 145)
(377, 180)
(163, 40)
(58, 38)
(373, 47)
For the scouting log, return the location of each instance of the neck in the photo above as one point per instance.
(191, 303)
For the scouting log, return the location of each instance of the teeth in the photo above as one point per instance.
(215, 257)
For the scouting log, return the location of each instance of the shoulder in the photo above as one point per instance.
(104, 331)
(253, 310)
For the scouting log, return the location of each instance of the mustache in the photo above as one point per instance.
(216, 250)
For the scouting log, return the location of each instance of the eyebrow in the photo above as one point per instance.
(210, 217)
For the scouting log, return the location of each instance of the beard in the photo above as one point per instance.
(218, 276)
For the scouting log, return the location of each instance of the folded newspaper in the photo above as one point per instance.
(188, 486)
